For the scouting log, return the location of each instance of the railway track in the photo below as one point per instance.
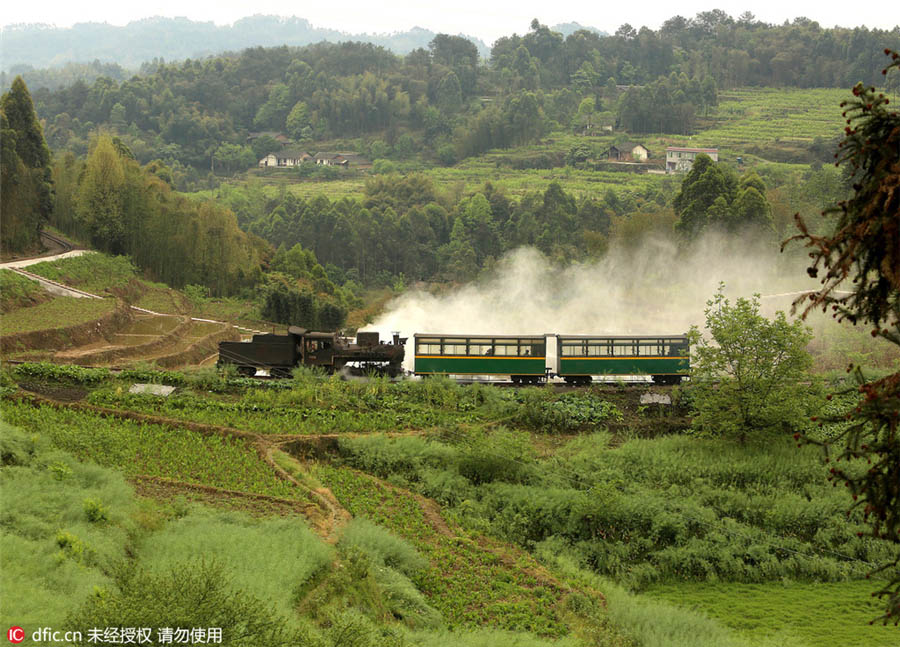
(558, 386)
(63, 244)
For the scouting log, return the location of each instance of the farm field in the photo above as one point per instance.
(556, 517)
(59, 312)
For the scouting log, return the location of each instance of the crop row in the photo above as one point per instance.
(57, 313)
(153, 450)
(252, 416)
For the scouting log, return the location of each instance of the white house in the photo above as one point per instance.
(680, 160)
(285, 158)
(628, 152)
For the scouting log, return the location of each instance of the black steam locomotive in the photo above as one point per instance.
(280, 354)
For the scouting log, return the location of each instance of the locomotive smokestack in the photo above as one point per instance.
(396, 336)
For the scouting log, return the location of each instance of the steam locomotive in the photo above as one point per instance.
(280, 354)
(521, 359)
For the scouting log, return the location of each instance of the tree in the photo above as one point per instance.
(700, 188)
(27, 191)
(747, 376)
(297, 123)
(864, 248)
(449, 93)
(100, 194)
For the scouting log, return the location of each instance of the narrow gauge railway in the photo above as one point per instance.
(504, 360)
(578, 359)
(65, 245)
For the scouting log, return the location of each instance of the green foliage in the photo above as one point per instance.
(669, 105)
(46, 371)
(191, 594)
(711, 197)
(863, 244)
(58, 312)
(571, 412)
(27, 199)
(383, 547)
(53, 553)
(499, 455)
(153, 450)
(270, 559)
(786, 612)
(17, 291)
(747, 376)
(95, 273)
(126, 209)
(95, 511)
(472, 587)
(641, 619)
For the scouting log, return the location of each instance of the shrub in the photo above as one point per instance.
(191, 594)
(382, 547)
(95, 511)
(748, 378)
(501, 455)
(540, 410)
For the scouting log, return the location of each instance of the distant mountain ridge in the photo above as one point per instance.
(41, 46)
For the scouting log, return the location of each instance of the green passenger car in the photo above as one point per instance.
(665, 358)
(523, 359)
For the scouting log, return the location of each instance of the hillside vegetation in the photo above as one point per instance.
(548, 519)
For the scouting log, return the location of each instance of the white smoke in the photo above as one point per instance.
(654, 289)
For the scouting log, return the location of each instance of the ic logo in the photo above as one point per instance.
(15, 635)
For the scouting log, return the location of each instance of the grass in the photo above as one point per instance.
(17, 291)
(469, 586)
(159, 297)
(273, 559)
(804, 613)
(90, 272)
(60, 312)
(53, 553)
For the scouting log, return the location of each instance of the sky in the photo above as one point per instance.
(485, 19)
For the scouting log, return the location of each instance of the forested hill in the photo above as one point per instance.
(446, 101)
(38, 46)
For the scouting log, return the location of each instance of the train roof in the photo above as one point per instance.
(623, 337)
(478, 336)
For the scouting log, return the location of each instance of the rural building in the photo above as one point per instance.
(680, 160)
(285, 158)
(628, 152)
(293, 157)
(331, 159)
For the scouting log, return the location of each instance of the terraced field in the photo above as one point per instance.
(767, 116)
(59, 312)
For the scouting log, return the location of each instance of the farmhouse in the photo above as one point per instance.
(294, 157)
(285, 158)
(680, 160)
(628, 152)
(331, 159)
